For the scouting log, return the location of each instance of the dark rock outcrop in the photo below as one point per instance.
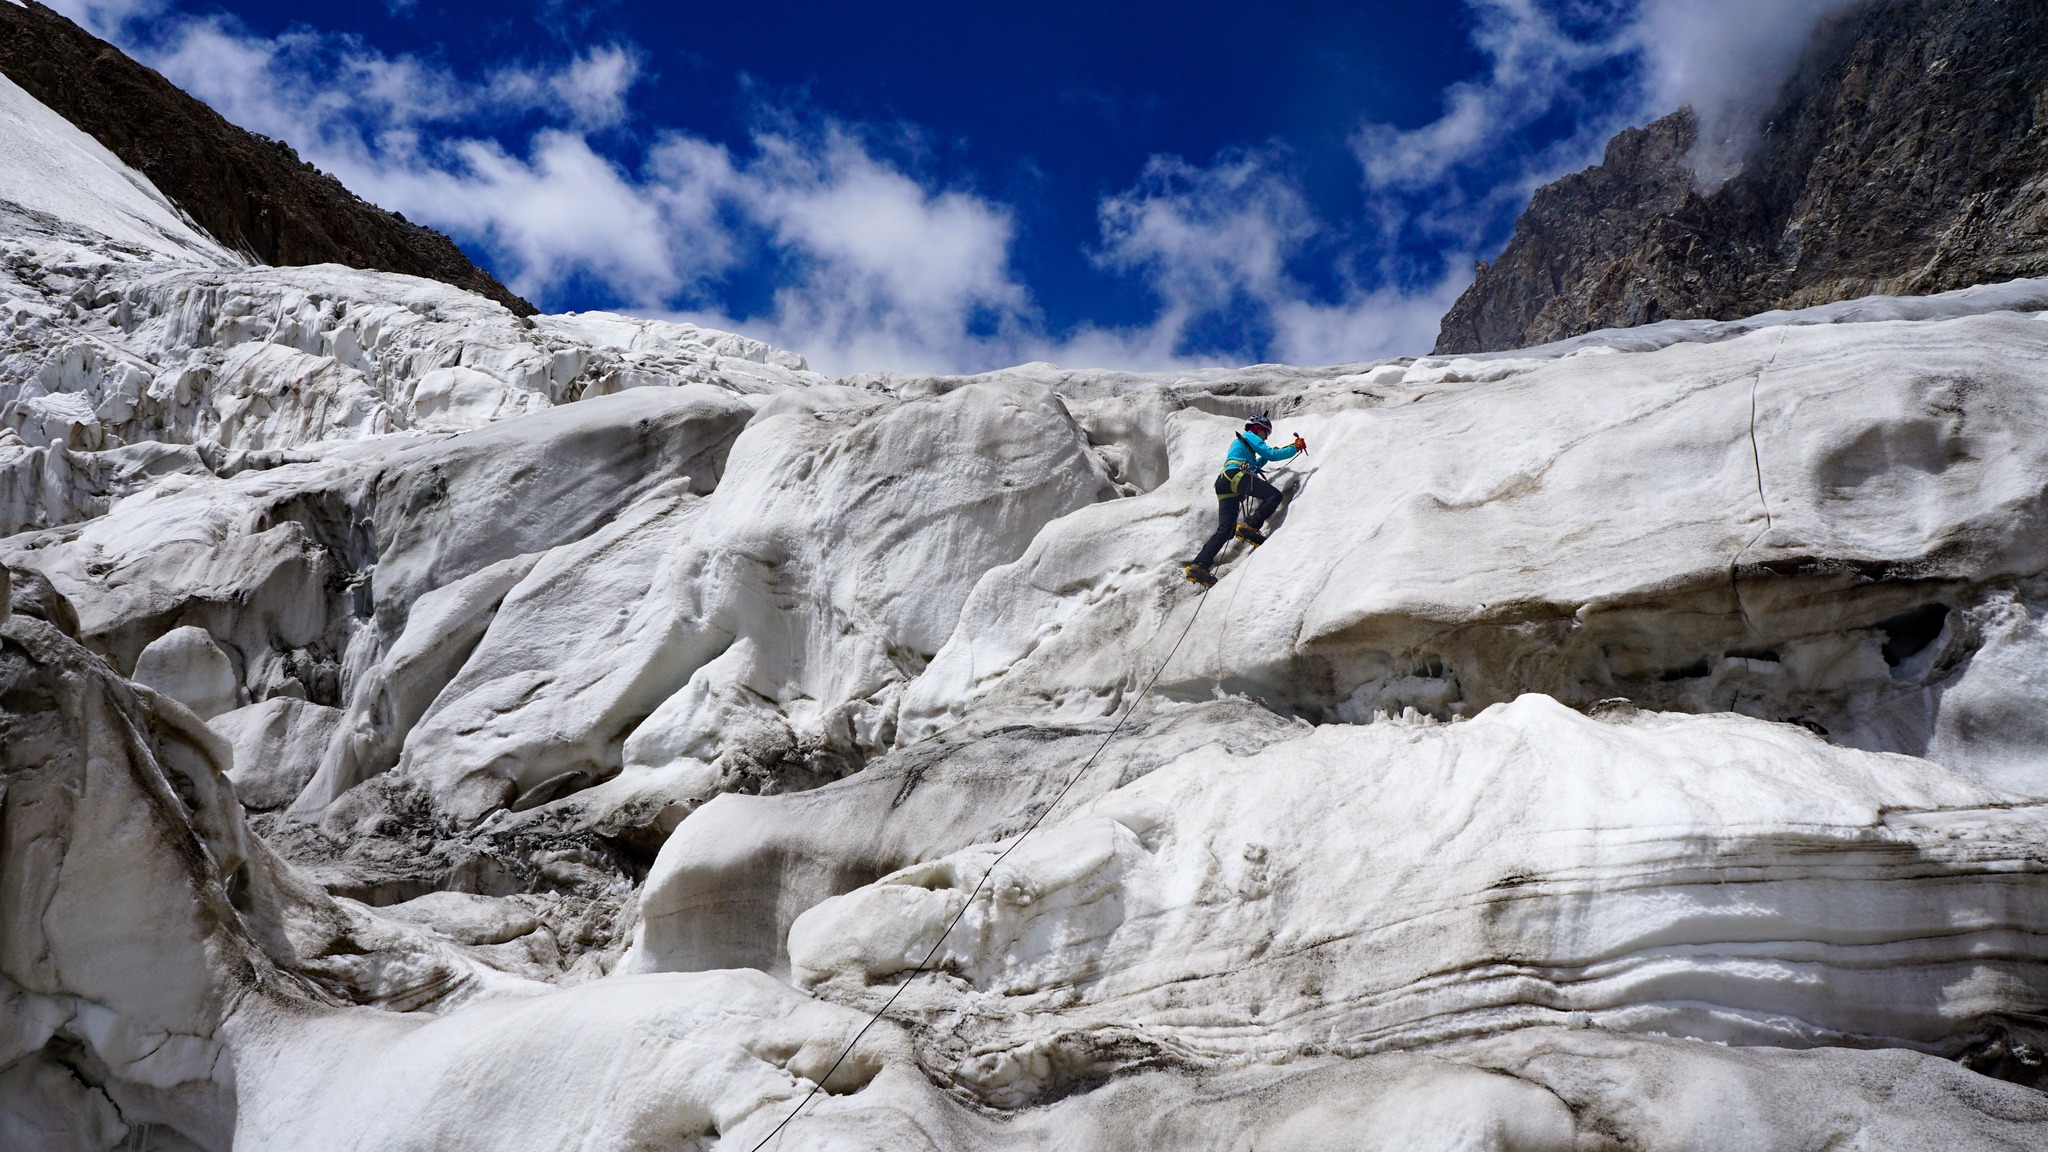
(1908, 156)
(251, 193)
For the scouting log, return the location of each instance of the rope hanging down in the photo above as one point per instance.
(924, 965)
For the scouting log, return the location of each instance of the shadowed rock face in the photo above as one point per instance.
(1909, 156)
(252, 194)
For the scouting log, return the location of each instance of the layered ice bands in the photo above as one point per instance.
(423, 728)
(1355, 889)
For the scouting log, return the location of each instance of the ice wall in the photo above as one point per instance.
(426, 728)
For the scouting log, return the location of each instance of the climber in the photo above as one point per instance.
(1240, 478)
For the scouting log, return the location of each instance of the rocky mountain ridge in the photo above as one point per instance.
(1908, 155)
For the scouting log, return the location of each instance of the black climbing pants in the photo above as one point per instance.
(1233, 487)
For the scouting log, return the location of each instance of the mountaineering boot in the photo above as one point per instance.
(1197, 574)
(1250, 535)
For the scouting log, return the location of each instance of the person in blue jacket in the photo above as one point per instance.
(1240, 479)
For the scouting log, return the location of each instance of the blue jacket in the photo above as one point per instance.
(1254, 453)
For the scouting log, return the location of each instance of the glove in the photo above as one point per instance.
(1300, 445)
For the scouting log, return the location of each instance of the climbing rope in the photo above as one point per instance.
(925, 964)
(1756, 460)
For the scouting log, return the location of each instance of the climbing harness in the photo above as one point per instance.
(924, 965)
(1233, 475)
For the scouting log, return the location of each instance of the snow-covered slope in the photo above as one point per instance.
(56, 179)
(424, 728)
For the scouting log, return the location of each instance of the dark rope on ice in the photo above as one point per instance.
(925, 964)
(1756, 460)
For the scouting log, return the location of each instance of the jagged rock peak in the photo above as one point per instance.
(253, 194)
(1908, 155)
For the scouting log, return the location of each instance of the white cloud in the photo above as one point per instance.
(1216, 241)
(1728, 60)
(329, 88)
(237, 76)
(885, 243)
(1532, 62)
(589, 92)
(595, 83)
(883, 272)
(104, 17)
(1203, 235)
(561, 211)
(1368, 325)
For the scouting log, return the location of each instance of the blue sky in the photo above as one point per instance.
(945, 186)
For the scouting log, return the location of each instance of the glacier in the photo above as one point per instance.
(424, 727)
